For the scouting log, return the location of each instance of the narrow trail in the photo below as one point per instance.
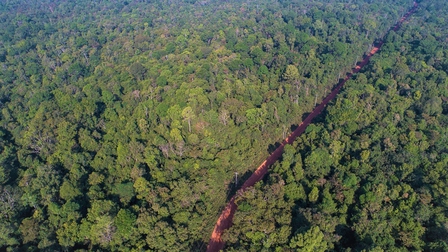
(225, 219)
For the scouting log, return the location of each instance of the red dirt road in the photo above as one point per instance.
(225, 219)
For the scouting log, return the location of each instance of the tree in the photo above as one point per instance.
(312, 240)
(291, 73)
(95, 152)
(68, 191)
(433, 106)
(125, 223)
(188, 115)
(313, 196)
(137, 70)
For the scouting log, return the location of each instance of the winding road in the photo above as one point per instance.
(225, 219)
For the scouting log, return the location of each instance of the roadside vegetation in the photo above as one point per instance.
(122, 124)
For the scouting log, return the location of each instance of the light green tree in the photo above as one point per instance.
(291, 73)
(311, 241)
(188, 115)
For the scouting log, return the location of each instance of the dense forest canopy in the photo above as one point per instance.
(122, 125)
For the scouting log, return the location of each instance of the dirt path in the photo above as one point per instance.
(225, 219)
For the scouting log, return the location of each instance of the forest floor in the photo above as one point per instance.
(225, 219)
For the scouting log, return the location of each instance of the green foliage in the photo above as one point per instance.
(291, 73)
(68, 191)
(125, 222)
(371, 177)
(122, 124)
(125, 191)
(312, 240)
(137, 70)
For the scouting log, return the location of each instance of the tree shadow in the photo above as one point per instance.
(304, 116)
(299, 222)
(233, 187)
(348, 238)
(10, 162)
(100, 108)
(363, 244)
(383, 87)
(199, 245)
(273, 147)
(436, 233)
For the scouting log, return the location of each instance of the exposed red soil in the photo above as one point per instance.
(225, 219)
